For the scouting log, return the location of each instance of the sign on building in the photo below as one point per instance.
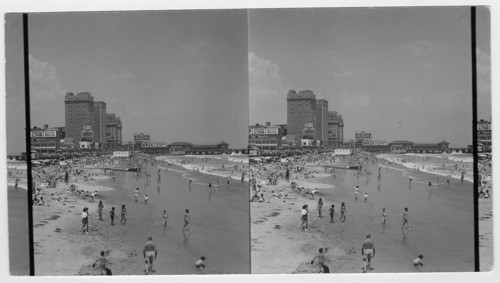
(36, 134)
(122, 154)
(272, 130)
(141, 137)
(259, 131)
(87, 131)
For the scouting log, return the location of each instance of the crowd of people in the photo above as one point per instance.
(264, 176)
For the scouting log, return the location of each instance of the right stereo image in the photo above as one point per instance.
(362, 150)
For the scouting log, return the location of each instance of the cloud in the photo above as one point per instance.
(349, 74)
(355, 99)
(44, 81)
(267, 92)
(264, 75)
(483, 61)
(424, 47)
(123, 76)
(46, 94)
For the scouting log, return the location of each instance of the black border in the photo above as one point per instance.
(28, 141)
(474, 136)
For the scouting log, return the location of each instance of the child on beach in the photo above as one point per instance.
(187, 221)
(320, 208)
(321, 259)
(146, 198)
(384, 216)
(200, 263)
(418, 262)
(303, 213)
(406, 220)
(92, 196)
(366, 196)
(123, 219)
(103, 264)
(342, 212)
(332, 213)
(136, 194)
(165, 216)
(100, 207)
(85, 220)
(356, 191)
(112, 216)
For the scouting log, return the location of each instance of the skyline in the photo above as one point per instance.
(270, 70)
(388, 71)
(179, 75)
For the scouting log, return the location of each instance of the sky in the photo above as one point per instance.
(203, 76)
(178, 75)
(399, 73)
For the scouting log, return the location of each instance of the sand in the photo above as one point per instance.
(62, 249)
(287, 249)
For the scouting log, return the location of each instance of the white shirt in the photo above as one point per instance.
(304, 212)
(84, 215)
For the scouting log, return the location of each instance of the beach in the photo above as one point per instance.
(441, 220)
(220, 222)
(17, 202)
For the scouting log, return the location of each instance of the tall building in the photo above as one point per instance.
(79, 115)
(321, 124)
(113, 131)
(100, 123)
(301, 109)
(335, 129)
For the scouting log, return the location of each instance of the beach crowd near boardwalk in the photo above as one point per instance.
(91, 209)
(393, 213)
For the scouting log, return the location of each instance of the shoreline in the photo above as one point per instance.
(432, 168)
(275, 223)
(58, 236)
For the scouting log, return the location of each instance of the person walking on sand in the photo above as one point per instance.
(384, 216)
(150, 253)
(16, 185)
(366, 196)
(332, 213)
(85, 220)
(146, 198)
(112, 216)
(406, 223)
(368, 252)
(165, 216)
(123, 219)
(304, 212)
(356, 191)
(342, 212)
(100, 207)
(187, 221)
(136, 195)
(320, 208)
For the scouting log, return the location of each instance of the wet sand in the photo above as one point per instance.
(441, 221)
(220, 227)
(19, 259)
